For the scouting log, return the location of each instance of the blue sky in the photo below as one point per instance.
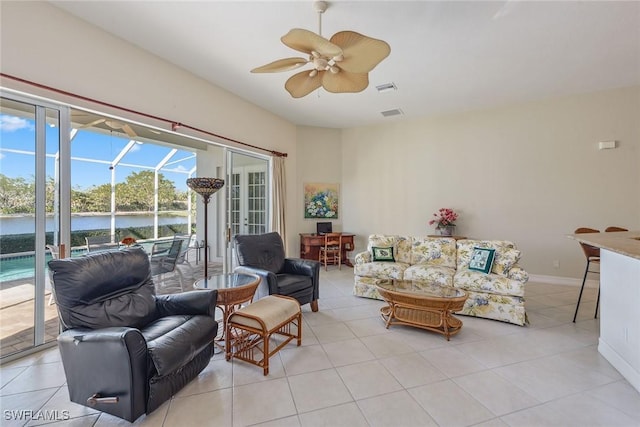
(17, 133)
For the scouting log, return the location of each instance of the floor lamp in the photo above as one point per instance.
(205, 187)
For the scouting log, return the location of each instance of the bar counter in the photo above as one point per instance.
(619, 341)
(621, 242)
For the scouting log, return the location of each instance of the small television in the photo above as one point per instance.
(323, 228)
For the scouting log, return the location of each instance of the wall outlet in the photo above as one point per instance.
(556, 264)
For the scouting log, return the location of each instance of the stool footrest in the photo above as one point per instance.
(248, 337)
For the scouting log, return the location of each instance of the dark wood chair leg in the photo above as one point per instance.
(314, 305)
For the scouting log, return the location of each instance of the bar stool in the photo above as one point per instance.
(612, 229)
(593, 256)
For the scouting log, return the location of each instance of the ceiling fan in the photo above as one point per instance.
(340, 64)
(114, 125)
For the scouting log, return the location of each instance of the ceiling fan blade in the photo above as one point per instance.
(93, 123)
(361, 53)
(344, 81)
(307, 41)
(129, 131)
(116, 125)
(301, 84)
(281, 65)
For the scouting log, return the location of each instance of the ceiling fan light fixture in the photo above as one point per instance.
(320, 6)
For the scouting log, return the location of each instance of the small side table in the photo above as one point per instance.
(233, 290)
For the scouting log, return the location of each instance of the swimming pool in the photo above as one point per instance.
(22, 266)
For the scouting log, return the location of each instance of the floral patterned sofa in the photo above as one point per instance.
(498, 295)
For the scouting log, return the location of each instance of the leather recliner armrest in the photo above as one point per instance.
(303, 267)
(111, 362)
(201, 302)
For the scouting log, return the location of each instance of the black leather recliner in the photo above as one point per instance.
(125, 350)
(263, 255)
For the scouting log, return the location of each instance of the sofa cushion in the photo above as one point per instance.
(431, 274)
(401, 246)
(289, 284)
(489, 283)
(383, 270)
(504, 260)
(497, 307)
(366, 287)
(383, 254)
(465, 249)
(482, 260)
(434, 251)
(174, 340)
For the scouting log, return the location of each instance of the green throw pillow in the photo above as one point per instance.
(383, 254)
(482, 259)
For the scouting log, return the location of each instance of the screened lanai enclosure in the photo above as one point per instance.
(69, 177)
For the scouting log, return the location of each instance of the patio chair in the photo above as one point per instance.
(186, 245)
(191, 242)
(55, 254)
(164, 257)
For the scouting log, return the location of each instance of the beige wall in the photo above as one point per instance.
(44, 44)
(321, 149)
(529, 173)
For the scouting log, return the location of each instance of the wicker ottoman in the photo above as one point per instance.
(250, 328)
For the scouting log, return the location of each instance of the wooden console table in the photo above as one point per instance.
(310, 246)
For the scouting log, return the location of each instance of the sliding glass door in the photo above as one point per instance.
(33, 156)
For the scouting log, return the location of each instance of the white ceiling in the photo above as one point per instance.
(445, 57)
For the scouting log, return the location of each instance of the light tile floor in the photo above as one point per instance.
(351, 371)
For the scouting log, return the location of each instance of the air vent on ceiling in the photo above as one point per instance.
(394, 112)
(387, 87)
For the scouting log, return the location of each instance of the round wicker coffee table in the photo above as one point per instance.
(234, 290)
(423, 305)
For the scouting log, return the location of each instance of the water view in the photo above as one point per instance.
(24, 224)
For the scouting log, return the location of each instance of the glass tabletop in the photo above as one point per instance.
(422, 289)
(223, 281)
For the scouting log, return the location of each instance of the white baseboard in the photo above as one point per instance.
(630, 373)
(564, 281)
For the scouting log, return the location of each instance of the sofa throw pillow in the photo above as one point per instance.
(482, 259)
(504, 260)
(383, 254)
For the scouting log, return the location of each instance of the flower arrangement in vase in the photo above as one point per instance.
(445, 219)
(128, 241)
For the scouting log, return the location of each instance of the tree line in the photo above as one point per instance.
(135, 194)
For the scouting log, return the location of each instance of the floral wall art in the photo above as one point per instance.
(320, 200)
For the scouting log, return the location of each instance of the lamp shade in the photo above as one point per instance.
(205, 186)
